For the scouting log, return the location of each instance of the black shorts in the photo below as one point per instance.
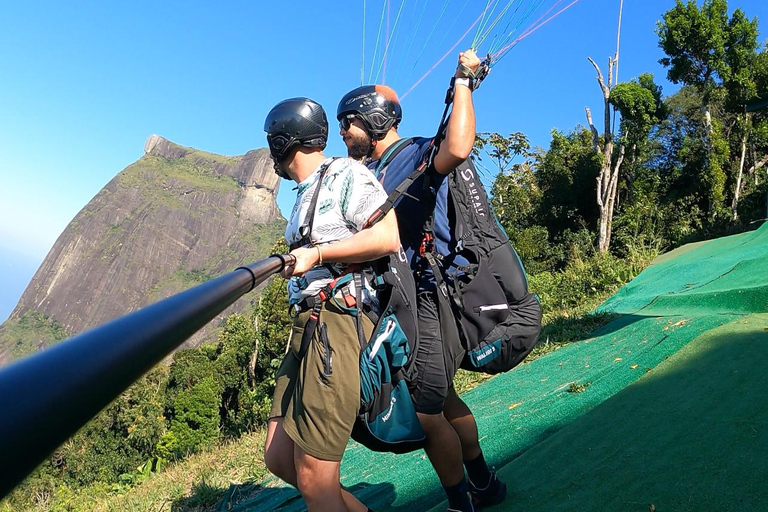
(438, 356)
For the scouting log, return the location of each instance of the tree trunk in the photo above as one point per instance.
(607, 180)
(737, 192)
(757, 166)
(707, 161)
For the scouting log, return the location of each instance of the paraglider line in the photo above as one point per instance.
(498, 55)
(444, 56)
(389, 39)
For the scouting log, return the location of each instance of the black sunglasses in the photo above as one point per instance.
(346, 121)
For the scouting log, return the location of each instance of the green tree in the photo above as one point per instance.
(273, 325)
(714, 53)
(237, 342)
(196, 417)
(566, 175)
(515, 195)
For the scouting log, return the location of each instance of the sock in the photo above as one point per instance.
(458, 496)
(478, 472)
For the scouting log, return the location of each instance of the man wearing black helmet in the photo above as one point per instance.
(317, 389)
(369, 117)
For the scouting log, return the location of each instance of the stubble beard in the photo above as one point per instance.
(358, 147)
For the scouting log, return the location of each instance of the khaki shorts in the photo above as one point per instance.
(319, 396)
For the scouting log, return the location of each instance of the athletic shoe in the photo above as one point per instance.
(492, 494)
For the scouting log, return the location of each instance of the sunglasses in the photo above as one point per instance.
(346, 121)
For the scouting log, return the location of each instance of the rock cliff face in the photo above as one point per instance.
(174, 218)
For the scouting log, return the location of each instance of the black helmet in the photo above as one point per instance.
(376, 106)
(295, 122)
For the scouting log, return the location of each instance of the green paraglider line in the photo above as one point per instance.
(485, 35)
(429, 37)
(494, 43)
(444, 56)
(362, 64)
(389, 39)
(481, 28)
(409, 45)
(376, 46)
(498, 55)
(499, 42)
(386, 47)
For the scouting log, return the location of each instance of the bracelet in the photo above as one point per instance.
(466, 82)
(319, 255)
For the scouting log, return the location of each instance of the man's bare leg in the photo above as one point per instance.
(279, 458)
(463, 422)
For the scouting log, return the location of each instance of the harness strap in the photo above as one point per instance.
(305, 230)
(326, 293)
(359, 318)
(309, 328)
(391, 153)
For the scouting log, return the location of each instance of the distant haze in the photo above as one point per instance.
(16, 271)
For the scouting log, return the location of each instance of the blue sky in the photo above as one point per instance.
(85, 83)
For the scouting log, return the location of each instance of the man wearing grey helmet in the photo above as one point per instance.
(317, 388)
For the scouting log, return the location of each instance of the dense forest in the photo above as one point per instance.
(646, 174)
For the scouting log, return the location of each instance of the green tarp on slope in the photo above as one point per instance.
(690, 436)
(523, 411)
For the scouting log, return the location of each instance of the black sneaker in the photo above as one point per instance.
(492, 494)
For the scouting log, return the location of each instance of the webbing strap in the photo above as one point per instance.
(359, 318)
(305, 230)
(309, 328)
(391, 153)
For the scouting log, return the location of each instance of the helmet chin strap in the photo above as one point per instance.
(372, 147)
(281, 173)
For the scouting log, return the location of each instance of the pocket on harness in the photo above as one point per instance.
(483, 303)
(387, 419)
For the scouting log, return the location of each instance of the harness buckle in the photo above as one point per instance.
(426, 244)
(325, 293)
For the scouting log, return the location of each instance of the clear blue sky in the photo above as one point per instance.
(83, 84)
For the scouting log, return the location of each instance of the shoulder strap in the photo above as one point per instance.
(399, 191)
(391, 153)
(305, 230)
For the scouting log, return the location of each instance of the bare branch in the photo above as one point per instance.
(595, 134)
(600, 79)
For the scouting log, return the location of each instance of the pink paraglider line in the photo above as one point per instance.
(444, 56)
(534, 27)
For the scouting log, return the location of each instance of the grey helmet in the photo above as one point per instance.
(295, 122)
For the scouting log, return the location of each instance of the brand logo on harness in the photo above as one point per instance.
(389, 412)
(473, 187)
(488, 351)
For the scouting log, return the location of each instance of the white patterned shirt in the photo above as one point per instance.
(348, 196)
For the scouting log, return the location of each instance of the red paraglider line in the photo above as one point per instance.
(444, 56)
(496, 56)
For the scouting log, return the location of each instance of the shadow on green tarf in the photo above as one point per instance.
(690, 435)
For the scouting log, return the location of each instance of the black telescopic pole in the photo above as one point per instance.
(47, 397)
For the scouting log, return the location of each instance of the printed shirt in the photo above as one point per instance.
(348, 196)
(411, 213)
